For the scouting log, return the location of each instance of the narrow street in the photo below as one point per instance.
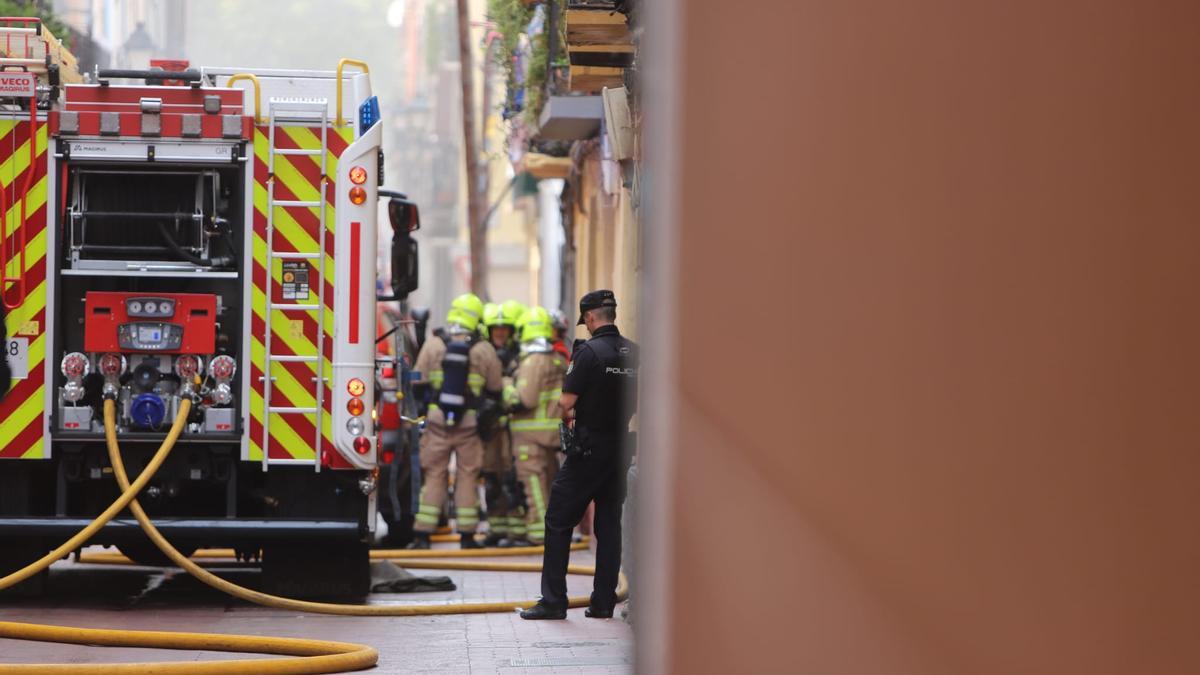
(143, 598)
(669, 337)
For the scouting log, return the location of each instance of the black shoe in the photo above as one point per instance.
(420, 542)
(468, 540)
(593, 612)
(493, 539)
(520, 542)
(544, 611)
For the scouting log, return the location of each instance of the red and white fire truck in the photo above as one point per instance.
(210, 225)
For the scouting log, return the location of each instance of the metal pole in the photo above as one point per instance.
(477, 235)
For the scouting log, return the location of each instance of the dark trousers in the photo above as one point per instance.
(598, 477)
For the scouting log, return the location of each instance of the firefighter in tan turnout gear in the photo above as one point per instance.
(505, 515)
(457, 374)
(533, 400)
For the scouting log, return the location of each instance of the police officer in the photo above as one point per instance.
(456, 373)
(600, 396)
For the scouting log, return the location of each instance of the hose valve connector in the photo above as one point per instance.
(73, 392)
(367, 484)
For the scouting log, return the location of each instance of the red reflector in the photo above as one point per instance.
(362, 445)
(389, 371)
(355, 278)
(388, 456)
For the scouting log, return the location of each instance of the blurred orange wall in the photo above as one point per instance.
(924, 282)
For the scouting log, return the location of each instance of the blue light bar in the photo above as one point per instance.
(368, 113)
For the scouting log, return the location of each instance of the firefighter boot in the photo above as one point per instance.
(420, 541)
(468, 540)
(493, 539)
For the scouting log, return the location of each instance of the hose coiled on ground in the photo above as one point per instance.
(308, 656)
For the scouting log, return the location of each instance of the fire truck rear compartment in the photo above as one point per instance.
(178, 218)
(167, 232)
(164, 231)
(165, 217)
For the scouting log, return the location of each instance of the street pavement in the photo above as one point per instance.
(105, 596)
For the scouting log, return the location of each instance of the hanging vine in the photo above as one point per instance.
(523, 53)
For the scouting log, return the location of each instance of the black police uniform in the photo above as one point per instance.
(603, 373)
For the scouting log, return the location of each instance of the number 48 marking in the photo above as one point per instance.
(17, 353)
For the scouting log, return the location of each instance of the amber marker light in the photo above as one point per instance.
(358, 195)
(355, 406)
(356, 387)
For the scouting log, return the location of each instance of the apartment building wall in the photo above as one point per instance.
(969, 231)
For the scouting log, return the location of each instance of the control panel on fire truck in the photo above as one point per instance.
(149, 352)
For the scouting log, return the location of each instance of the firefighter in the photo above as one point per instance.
(457, 374)
(533, 400)
(503, 333)
(513, 313)
(504, 516)
(559, 321)
(489, 309)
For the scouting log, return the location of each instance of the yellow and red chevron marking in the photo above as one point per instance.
(297, 178)
(22, 411)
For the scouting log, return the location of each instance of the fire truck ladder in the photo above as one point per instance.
(293, 111)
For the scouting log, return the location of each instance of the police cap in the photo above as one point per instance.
(595, 300)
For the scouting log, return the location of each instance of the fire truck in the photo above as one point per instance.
(193, 233)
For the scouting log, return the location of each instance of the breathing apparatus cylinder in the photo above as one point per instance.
(456, 366)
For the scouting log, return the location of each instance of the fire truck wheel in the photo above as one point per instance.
(15, 554)
(341, 571)
(147, 554)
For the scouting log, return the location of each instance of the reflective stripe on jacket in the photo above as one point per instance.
(538, 388)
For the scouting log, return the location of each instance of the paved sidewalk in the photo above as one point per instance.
(101, 596)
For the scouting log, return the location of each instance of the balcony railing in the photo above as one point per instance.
(599, 43)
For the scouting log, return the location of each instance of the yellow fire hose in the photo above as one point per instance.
(310, 656)
(107, 558)
(113, 509)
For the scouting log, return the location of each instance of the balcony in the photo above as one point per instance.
(600, 44)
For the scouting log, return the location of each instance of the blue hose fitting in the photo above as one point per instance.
(148, 411)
